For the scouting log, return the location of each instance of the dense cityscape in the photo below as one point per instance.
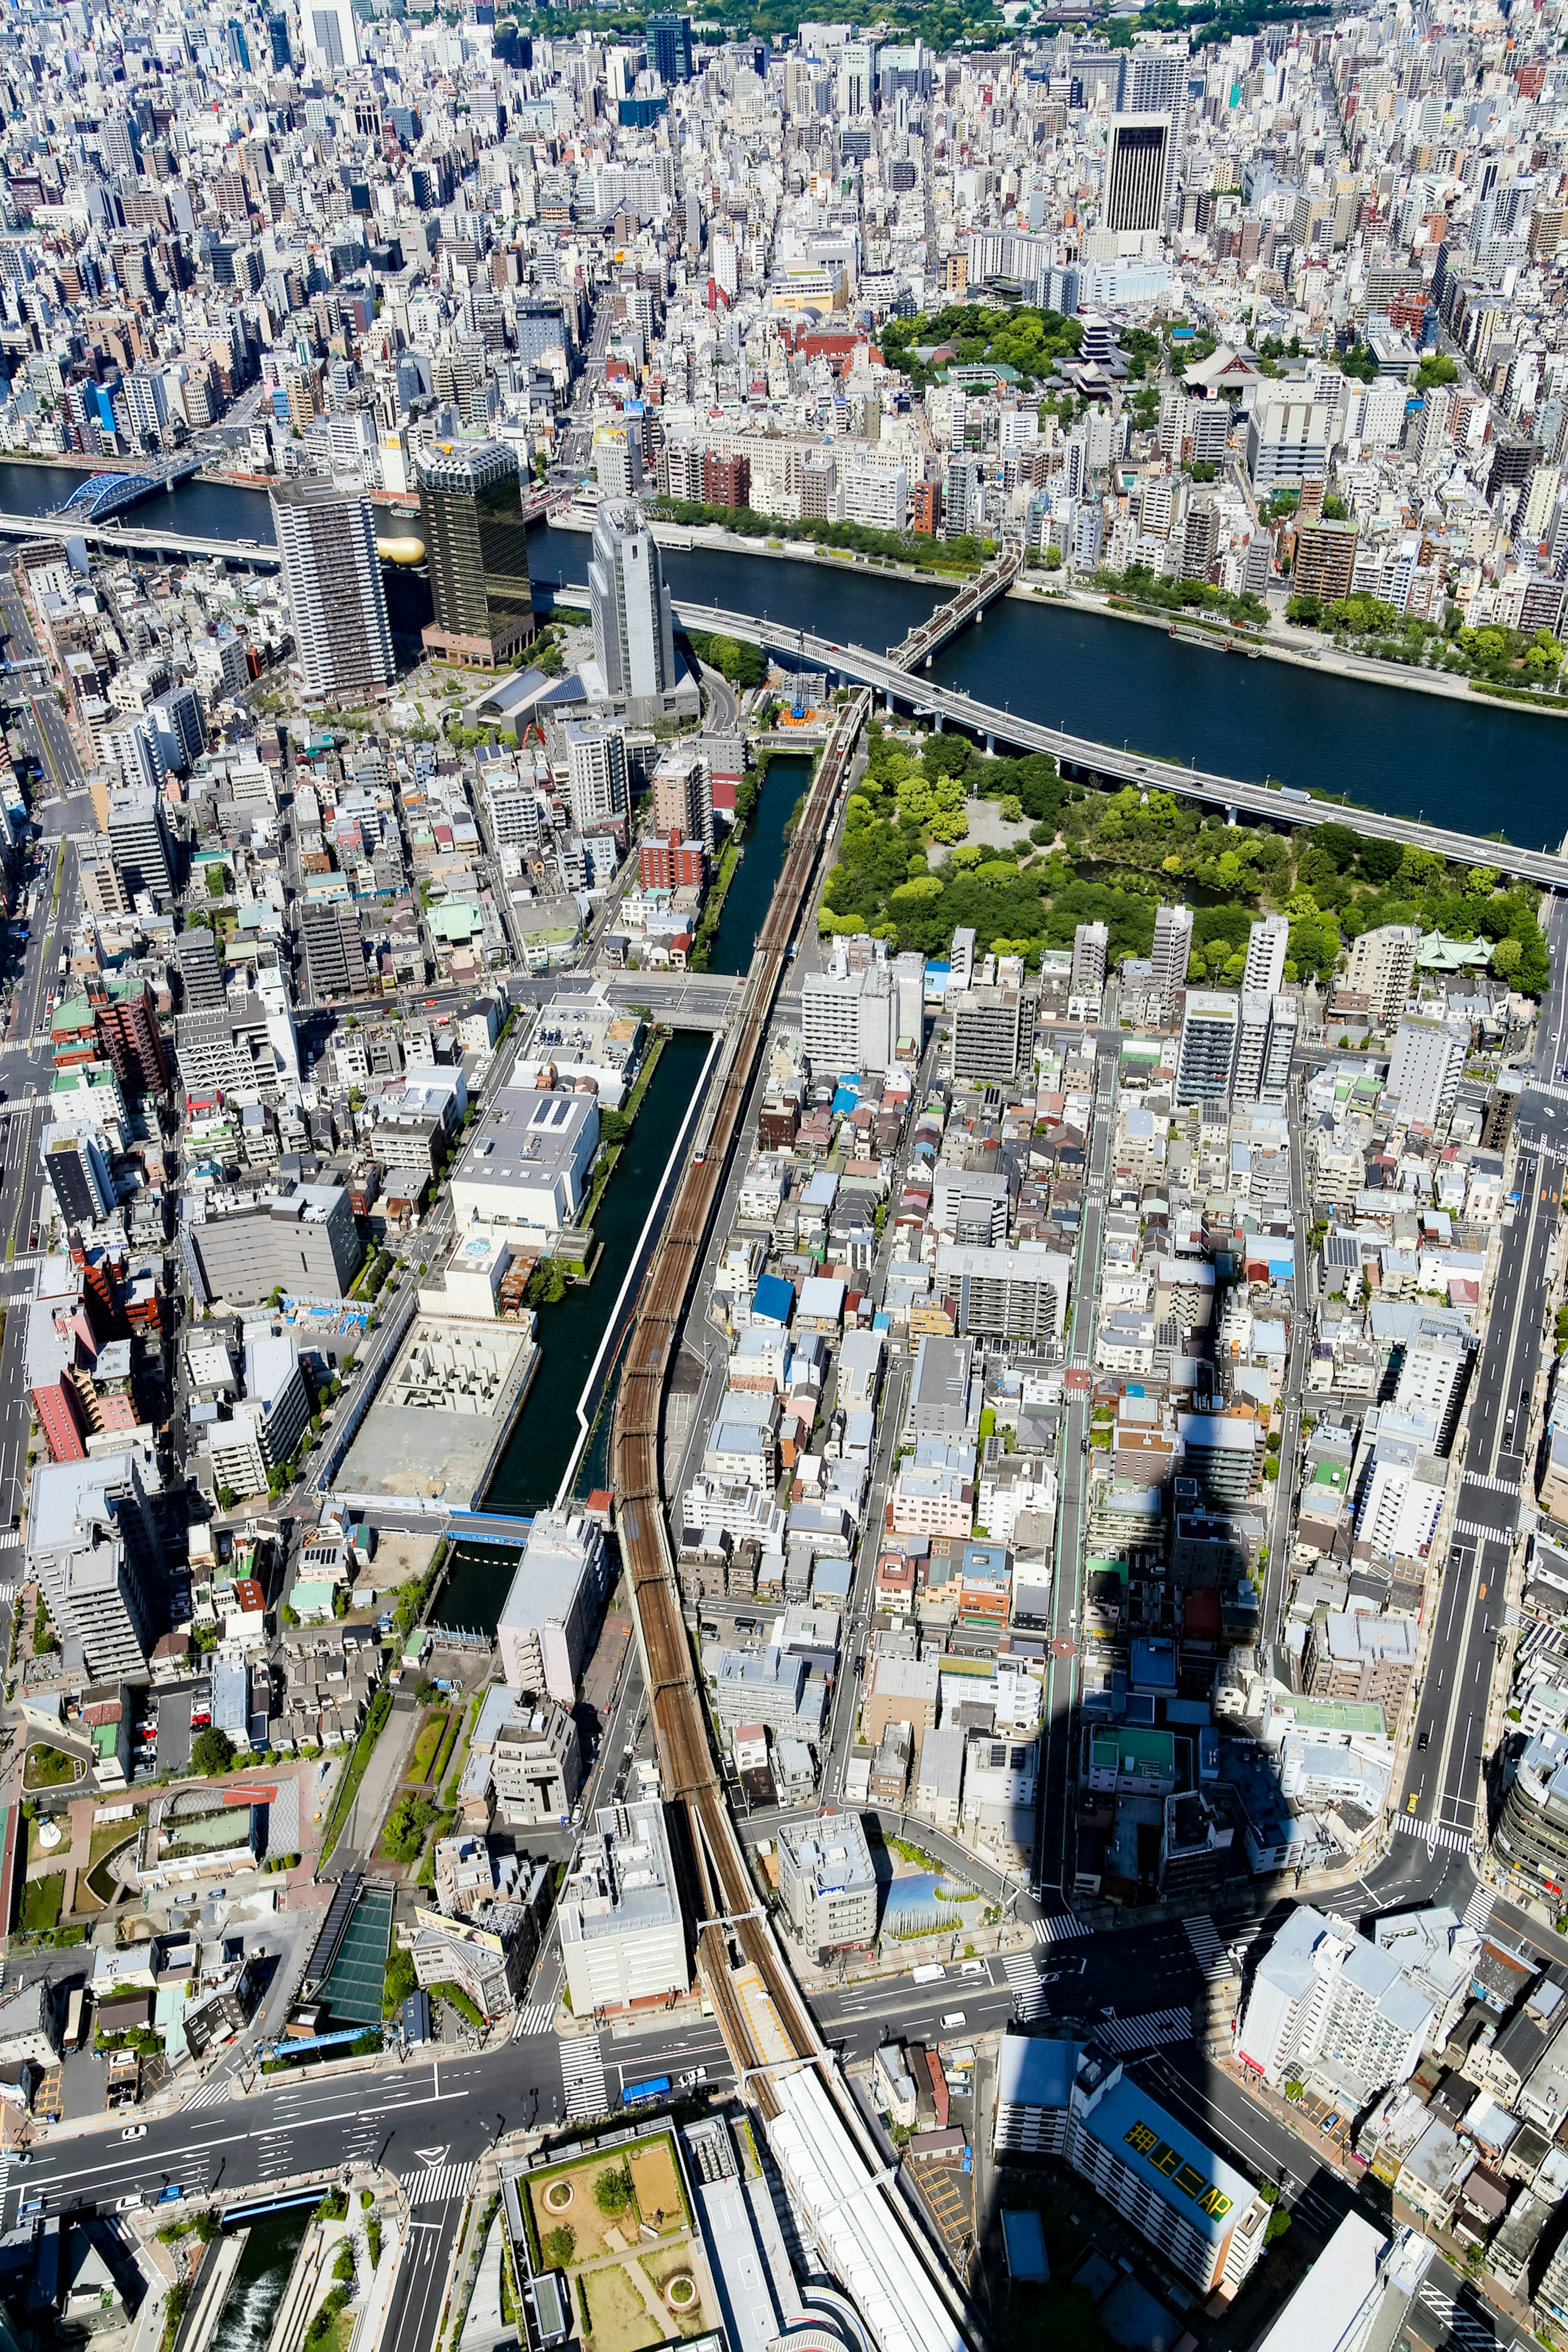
(780, 1469)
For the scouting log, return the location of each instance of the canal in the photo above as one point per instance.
(256, 2290)
(570, 1333)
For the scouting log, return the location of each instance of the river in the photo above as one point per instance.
(1476, 766)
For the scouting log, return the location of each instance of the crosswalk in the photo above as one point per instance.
(440, 2184)
(538, 2018)
(1466, 2327)
(1509, 1487)
(1435, 1833)
(1030, 2000)
(1207, 1948)
(217, 2086)
(1477, 1533)
(1061, 1928)
(582, 2074)
(1479, 1909)
(1156, 2027)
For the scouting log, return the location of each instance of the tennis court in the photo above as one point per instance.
(353, 1991)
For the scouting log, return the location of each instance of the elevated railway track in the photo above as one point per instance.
(894, 2272)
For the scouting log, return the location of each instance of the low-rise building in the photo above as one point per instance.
(622, 1937)
(827, 1886)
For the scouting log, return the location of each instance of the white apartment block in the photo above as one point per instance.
(1325, 2002)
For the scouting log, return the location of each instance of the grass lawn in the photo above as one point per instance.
(48, 1768)
(425, 1748)
(105, 1838)
(589, 2226)
(41, 1900)
(621, 2321)
(673, 2264)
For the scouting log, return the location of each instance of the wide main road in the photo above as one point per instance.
(1442, 1799)
(1007, 728)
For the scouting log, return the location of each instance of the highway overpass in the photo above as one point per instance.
(1004, 731)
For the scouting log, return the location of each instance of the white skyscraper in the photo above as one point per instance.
(1424, 1069)
(1251, 1047)
(1326, 2002)
(1267, 947)
(634, 632)
(1173, 946)
(343, 639)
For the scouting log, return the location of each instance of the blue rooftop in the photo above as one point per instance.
(772, 1301)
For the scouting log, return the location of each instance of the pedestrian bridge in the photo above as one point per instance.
(1004, 730)
(957, 613)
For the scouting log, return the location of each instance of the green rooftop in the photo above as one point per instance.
(1130, 1748)
(1338, 1714)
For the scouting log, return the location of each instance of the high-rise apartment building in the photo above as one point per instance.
(1326, 2002)
(470, 508)
(78, 1177)
(1211, 1026)
(1251, 1047)
(1382, 966)
(1172, 947)
(343, 639)
(1267, 944)
(1325, 559)
(993, 1031)
(633, 630)
(596, 774)
(1137, 165)
(1424, 1069)
(1090, 943)
(1284, 1020)
(681, 796)
(139, 837)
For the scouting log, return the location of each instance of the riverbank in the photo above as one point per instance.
(1316, 653)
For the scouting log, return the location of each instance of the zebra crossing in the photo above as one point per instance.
(1126, 2035)
(1436, 1833)
(1509, 1487)
(1029, 1994)
(1480, 1534)
(217, 2086)
(1466, 2327)
(1207, 1948)
(1479, 1909)
(440, 2184)
(1061, 1928)
(539, 2017)
(582, 2074)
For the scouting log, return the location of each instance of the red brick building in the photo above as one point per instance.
(672, 863)
(726, 481)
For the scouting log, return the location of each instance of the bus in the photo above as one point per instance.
(75, 2008)
(656, 2087)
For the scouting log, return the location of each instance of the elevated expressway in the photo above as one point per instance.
(888, 676)
(837, 2175)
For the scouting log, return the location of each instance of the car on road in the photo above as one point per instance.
(1414, 1800)
(1423, 1742)
(23, 2156)
(136, 2131)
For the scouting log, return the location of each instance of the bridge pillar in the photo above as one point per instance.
(990, 747)
(937, 716)
(888, 701)
(929, 658)
(1230, 817)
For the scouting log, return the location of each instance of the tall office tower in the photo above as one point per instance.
(670, 48)
(137, 751)
(1173, 946)
(857, 78)
(596, 774)
(139, 837)
(1137, 160)
(1284, 1019)
(1432, 1381)
(1156, 81)
(278, 36)
(330, 568)
(1251, 1047)
(470, 506)
(1209, 1030)
(1267, 943)
(329, 27)
(634, 632)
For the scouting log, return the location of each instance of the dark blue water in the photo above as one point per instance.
(751, 893)
(1476, 766)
